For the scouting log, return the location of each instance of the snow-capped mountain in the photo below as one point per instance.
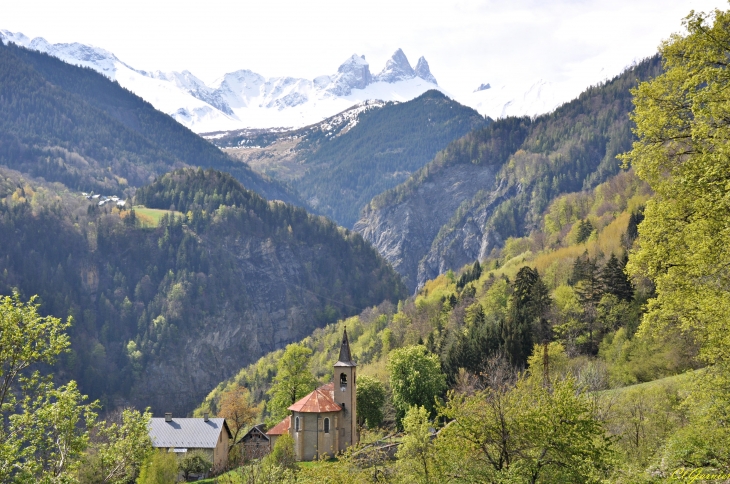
(245, 99)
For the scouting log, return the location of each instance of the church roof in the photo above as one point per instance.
(281, 428)
(319, 401)
(345, 358)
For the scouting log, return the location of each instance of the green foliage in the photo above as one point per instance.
(282, 454)
(416, 453)
(682, 154)
(117, 449)
(43, 428)
(415, 378)
(196, 462)
(160, 467)
(527, 321)
(529, 433)
(370, 401)
(583, 231)
(682, 125)
(293, 381)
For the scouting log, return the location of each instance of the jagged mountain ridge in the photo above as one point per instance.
(495, 182)
(338, 165)
(245, 99)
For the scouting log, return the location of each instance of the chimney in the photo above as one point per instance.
(168, 417)
(205, 416)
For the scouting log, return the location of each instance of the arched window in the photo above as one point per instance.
(343, 382)
(326, 425)
(296, 424)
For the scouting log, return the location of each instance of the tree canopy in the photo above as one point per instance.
(683, 124)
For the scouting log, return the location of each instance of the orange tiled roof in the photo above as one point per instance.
(281, 428)
(319, 401)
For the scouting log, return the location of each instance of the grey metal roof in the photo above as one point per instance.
(186, 432)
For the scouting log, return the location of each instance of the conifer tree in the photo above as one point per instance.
(528, 305)
(615, 280)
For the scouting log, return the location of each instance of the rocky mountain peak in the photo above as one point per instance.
(354, 73)
(397, 68)
(424, 72)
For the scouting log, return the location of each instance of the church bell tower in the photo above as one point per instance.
(344, 381)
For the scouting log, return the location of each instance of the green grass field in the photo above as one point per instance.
(150, 217)
(682, 380)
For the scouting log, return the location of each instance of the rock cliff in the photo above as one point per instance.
(496, 182)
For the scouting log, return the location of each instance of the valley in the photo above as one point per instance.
(361, 271)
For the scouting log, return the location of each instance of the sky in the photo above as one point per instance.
(465, 42)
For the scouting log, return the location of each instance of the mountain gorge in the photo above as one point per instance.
(340, 164)
(495, 182)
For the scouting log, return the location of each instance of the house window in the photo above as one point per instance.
(343, 382)
(296, 424)
(326, 426)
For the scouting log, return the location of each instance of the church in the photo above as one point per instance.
(325, 421)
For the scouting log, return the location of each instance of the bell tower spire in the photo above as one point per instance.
(345, 393)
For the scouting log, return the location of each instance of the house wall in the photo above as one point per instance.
(255, 446)
(220, 452)
(311, 441)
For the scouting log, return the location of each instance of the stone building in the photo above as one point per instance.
(325, 421)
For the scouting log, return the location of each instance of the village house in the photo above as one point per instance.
(209, 435)
(256, 443)
(325, 421)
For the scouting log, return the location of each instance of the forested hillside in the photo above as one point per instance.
(73, 125)
(496, 182)
(340, 164)
(557, 303)
(162, 314)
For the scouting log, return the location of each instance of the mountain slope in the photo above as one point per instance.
(495, 182)
(245, 99)
(162, 314)
(73, 125)
(342, 163)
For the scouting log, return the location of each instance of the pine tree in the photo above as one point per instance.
(528, 305)
(615, 280)
(585, 228)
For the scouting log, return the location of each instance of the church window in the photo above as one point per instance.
(343, 382)
(326, 426)
(296, 424)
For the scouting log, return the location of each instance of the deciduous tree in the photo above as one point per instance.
(293, 380)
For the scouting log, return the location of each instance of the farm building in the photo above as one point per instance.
(211, 435)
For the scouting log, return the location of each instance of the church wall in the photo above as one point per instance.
(311, 438)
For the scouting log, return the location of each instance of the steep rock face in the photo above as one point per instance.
(354, 73)
(402, 233)
(272, 311)
(496, 182)
(467, 236)
(397, 68)
(422, 70)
